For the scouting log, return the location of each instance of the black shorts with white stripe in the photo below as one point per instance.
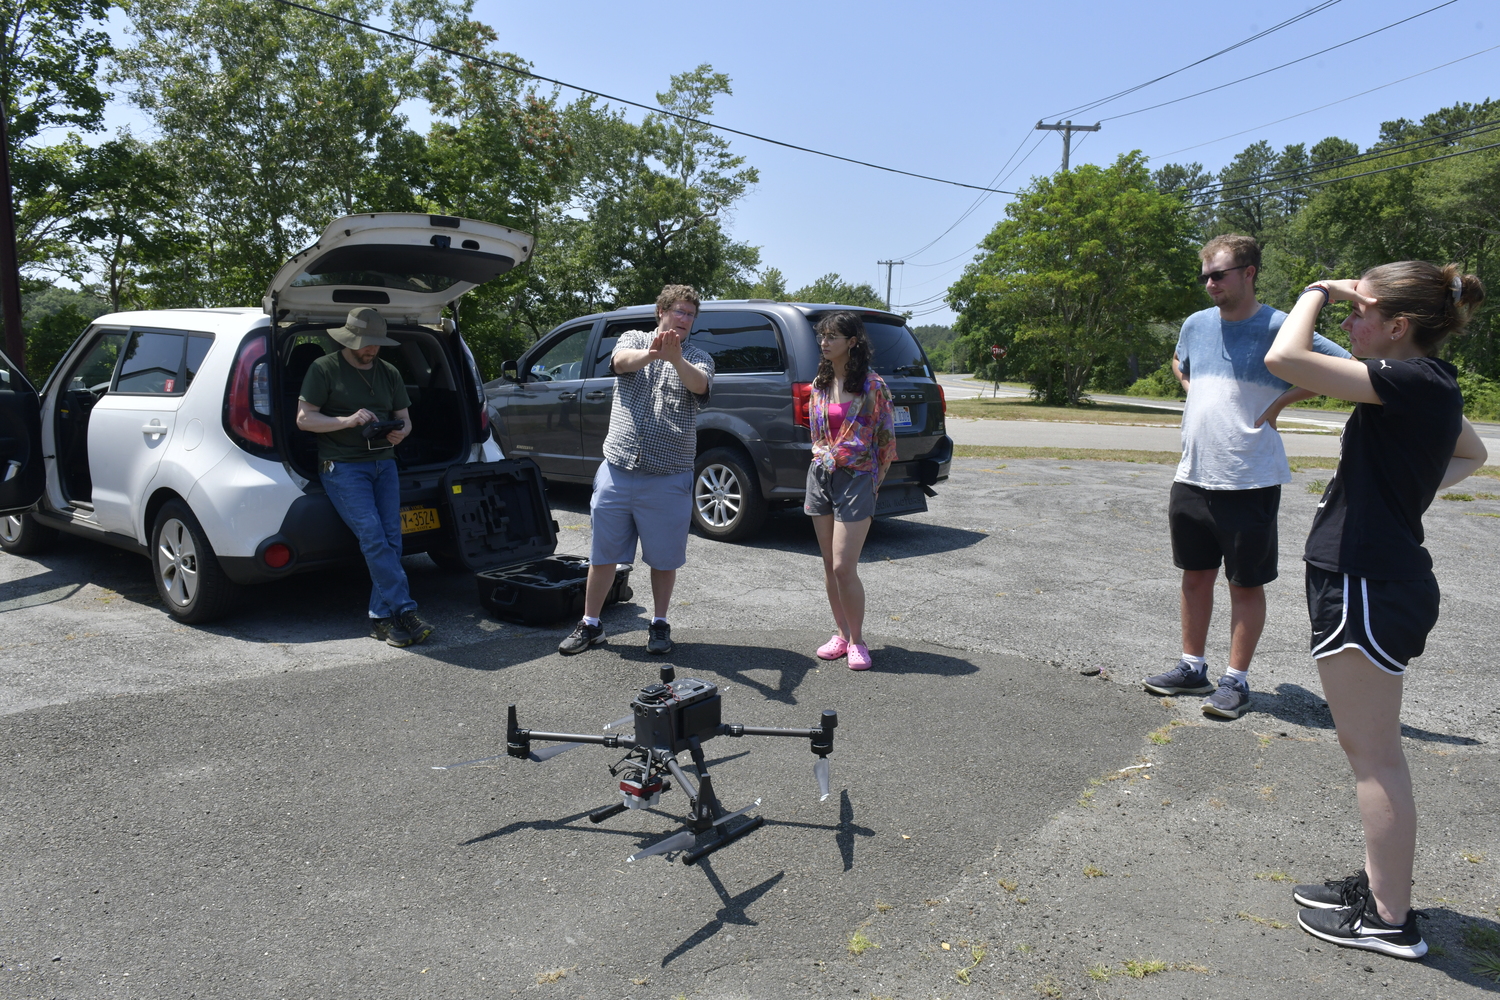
(1387, 620)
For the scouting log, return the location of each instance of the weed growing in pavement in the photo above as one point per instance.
(1264, 739)
(1161, 736)
(859, 943)
(1317, 486)
(883, 907)
(1276, 925)
(1087, 798)
(1472, 858)
(1099, 973)
(1049, 987)
(556, 975)
(1480, 513)
(1483, 944)
(1458, 496)
(1024, 949)
(1273, 876)
(976, 953)
(1093, 871)
(1007, 886)
(1140, 968)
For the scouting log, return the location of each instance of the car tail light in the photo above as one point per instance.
(484, 413)
(277, 555)
(248, 408)
(802, 404)
(943, 400)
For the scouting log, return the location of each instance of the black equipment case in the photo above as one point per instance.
(505, 534)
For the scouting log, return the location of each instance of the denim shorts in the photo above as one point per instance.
(848, 496)
(630, 506)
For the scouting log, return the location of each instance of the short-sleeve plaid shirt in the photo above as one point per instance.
(653, 422)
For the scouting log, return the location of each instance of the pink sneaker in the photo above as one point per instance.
(833, 648)
(859, 656)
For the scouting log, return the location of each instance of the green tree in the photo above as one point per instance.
(1076, 273)
(832, 288)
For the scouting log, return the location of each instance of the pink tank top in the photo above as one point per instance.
(836, 414)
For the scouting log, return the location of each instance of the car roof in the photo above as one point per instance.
(232, 319)
(714, 305)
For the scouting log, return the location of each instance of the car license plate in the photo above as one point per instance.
(418, 519)
(903, 416)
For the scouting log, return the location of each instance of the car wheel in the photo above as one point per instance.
(20, 535)
(187, 573)
(727, 505)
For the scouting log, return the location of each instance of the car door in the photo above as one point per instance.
(22, 475)
(599, 391)
(133, 424)
(542, 413)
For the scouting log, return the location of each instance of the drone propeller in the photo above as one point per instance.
(820, 770)
(619, 722)
(676, 842)
(466, 763)
(739, 812)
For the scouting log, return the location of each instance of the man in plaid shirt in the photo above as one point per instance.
(644, 487)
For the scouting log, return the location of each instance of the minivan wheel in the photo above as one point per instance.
(187, 573)
(20, 535)
(727, 505)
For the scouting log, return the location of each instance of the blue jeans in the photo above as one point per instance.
(367, 496)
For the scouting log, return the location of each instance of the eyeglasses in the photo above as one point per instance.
(684, 313)
(824, 338)
(1204, 279)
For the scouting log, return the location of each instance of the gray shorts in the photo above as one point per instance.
(848, 496)
(630, 506)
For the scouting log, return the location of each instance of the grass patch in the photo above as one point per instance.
(1093, 871)
(1099, 973)
(1049, 987)
(555, 976)
(883, 907)
(976, 955)
(1087, 798)
(1319, 485)
(859, 943)
(1472, 857)
(1458, 496)
(1275, 925)
(1135, 456)
(1480, 513)
(1483, 944)
(1274, 876)
(1006, 885)
(1163, 736)
(1011, 408)
(1493, 471)
(1140, 968)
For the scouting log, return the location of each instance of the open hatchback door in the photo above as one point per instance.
(22, 474)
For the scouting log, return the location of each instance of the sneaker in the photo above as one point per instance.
(1360, 926)
(659, 639)
(1230, 701)
(859, 656)
(407, 629)
(380, 628)
(834, 648)
(1181, 679)
(1334, 893)
(581, 638)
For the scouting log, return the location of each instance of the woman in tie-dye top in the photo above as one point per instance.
(853, 444)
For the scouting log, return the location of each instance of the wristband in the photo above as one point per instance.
(1317, 288)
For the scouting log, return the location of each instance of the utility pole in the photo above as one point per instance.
(10, 271)
(1067, 128)
(887, 264)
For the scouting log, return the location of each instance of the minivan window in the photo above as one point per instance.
(153, 363)
(896, 351)
(739, 342)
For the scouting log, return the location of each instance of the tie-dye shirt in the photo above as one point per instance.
(866, 441)
(1230, 387)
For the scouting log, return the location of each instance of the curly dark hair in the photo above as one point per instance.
(857, 368)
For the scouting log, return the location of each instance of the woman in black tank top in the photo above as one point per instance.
(1371, 592)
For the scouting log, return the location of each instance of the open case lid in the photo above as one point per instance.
(499, 513)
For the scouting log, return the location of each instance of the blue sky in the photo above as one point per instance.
(954, 89)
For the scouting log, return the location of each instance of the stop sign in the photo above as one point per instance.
(996, 351)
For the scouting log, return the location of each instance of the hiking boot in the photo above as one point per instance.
(581, 638)
(1181, 679)
(1359, 926)
(1333, 893)
(660, 638)
(407, 629)
(1230, 701)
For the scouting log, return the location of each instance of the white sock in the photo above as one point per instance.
(1196, 662)
(1242, 676)
(590, 622)
(654, 621)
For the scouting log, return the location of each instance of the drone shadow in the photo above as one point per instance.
(573, 823)
(732, 912)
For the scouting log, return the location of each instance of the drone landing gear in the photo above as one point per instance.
(706, 816)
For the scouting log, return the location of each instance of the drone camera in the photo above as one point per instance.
(639, 791)
(668, 716)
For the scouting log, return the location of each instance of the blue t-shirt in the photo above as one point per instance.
(1225, 363)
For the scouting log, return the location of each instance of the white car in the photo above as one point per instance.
(172, 433)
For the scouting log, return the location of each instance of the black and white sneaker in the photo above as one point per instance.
(659, 638)
(581, 638)
(1360, 926)
(1333, 893)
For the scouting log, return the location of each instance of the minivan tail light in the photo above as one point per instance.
(484, 413)
(249, 405)
(802, 404)
(943, 399)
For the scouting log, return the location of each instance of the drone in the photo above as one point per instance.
(670, 717)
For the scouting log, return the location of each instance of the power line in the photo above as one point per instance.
(634, 104)
(1320, 107)
(1242, 42)
(974, 207)
(1273, 69)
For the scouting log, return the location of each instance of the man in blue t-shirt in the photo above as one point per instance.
(1227, 491)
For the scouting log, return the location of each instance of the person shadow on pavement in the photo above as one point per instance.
(1297, 705)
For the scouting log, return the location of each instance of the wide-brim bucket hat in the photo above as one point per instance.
(365, 327)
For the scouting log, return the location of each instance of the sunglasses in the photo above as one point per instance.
(1204, 279)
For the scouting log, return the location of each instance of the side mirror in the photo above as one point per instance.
(510, 371)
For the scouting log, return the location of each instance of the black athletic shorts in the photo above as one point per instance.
(1387, 620)
(1237, 527)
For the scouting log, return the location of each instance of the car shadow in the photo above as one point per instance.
(890, 537)
(1297, 705)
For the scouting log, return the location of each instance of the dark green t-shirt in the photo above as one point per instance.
(338, 389)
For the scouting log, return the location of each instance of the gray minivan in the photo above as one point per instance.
(754, 448)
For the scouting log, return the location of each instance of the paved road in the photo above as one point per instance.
(248, 810)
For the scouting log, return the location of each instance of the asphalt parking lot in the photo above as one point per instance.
(250, 810)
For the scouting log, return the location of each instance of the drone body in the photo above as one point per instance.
(671, 717)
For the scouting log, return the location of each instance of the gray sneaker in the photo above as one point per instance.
(581, 638)
(659, 638)
(1229, 701)
(1181, 679)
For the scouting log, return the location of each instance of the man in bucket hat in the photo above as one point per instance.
(343, 392)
